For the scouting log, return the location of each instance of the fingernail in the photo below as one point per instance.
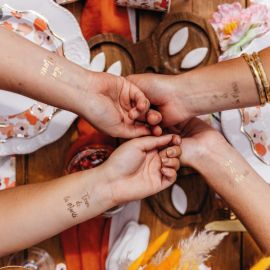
(165, 160)
(178, 140)
(171, 152)
(163, 170)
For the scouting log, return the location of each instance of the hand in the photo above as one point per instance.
(168, 94)
(139, 168)
(198, 140)
(117, 107)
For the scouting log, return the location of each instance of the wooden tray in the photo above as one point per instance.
(152, 53)
(199, 208)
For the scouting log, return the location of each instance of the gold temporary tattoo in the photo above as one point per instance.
(86, 199)
(73, 207)
(235, 92)
(51, 69)
(239, 178)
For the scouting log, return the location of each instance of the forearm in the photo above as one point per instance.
(29, 70)
(33, 213)
(244, 190)
(223, 86)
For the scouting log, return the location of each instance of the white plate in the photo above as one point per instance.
(63, 24)
(231, 126)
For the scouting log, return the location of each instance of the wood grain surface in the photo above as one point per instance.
(152, 53)
(237, 251)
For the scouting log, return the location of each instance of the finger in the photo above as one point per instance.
(169, 174)
(150, 143)
(137, 97)
(153, 117)
(134, 114)
(176, 140)
(138, 130)
(156, 131)
(173, 163)
(139, 111)
(173, 152)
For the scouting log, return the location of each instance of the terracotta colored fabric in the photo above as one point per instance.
(103, 16)
(86, 246)
(71, 248)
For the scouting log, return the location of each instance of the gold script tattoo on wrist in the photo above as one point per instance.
(234, 94)
(238, 177)
(74, 206)
(51, 69)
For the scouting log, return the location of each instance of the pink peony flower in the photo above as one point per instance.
(236, 27)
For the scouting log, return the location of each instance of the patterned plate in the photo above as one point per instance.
(256, 126)
(25, 124)
(34, 120)
(231, 125)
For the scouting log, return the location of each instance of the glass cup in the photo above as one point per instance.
(32, 259)
(90, 157)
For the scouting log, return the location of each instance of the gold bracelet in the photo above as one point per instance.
(263, 75)
(256, 77)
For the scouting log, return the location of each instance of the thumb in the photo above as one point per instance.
(149, 143)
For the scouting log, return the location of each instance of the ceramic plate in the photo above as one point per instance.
(231, 124)
(248, 131)
(25, 124)
(7, 172)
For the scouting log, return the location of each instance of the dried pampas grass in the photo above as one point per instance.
(197, 248)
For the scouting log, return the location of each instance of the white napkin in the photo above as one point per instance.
(130, 244)
(131, 212)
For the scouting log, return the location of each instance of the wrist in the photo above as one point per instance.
(98, 185)
(184, 96)
(80, 91)
(95, 84)
(208, 153)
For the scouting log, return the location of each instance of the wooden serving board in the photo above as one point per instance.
(152, 54)
(200, 199)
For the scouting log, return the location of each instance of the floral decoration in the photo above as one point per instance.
(236, 27)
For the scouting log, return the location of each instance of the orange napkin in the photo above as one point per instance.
(103, 16)
(85, 246)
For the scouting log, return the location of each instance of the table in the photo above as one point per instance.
(237, 251)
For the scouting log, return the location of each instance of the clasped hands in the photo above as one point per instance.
(149, 162)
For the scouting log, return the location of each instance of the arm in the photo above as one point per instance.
(231, 176)
(22, 63)
(223, 86)
(110, 103)
(32, 213)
